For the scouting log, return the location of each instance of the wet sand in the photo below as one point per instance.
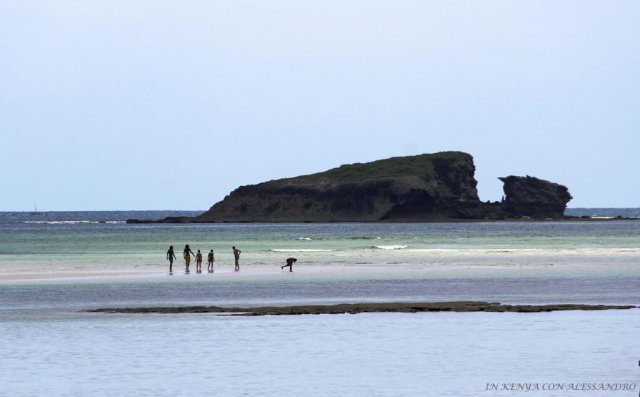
(69, 275)
(524, 263)
(354, 308)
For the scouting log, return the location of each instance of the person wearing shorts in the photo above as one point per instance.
(187, 257)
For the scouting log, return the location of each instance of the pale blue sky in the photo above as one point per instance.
(109, 105)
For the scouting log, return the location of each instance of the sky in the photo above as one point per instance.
(136, 105)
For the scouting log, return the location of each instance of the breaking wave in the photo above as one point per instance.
(298, 250)
(389, 247)
(73, 222)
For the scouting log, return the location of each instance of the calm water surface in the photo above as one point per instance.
(51, 346)
(428, 354)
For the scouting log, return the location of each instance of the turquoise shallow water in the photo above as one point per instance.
(104, 239)
(508, 261)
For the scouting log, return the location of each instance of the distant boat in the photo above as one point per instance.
(36, 212)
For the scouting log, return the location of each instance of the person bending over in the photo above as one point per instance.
(290, 262)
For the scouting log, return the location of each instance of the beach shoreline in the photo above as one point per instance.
(421, 264)
(457, 267)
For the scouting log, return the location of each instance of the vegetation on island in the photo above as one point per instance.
(422, 165)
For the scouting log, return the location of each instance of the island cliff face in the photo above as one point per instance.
(414, 188)
(533, 197)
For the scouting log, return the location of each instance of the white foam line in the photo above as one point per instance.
(299, 250)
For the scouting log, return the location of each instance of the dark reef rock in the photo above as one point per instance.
(426, 187)
(169, 219)
(355, 308)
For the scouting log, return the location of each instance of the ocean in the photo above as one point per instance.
(56, 265)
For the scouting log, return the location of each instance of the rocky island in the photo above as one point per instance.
(426, 187)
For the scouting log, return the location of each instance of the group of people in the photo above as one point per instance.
(187, 253)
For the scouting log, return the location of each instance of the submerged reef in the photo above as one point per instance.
(354, 308)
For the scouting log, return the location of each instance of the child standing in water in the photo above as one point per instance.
(199, 262)
(210, 261)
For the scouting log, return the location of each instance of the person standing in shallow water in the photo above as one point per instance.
(236, 255)
(199, 262)
(210, 260)
(171, 256)
(187, 257)
(290, 262)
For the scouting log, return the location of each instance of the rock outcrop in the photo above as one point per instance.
(533, 197)
(414, 188)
